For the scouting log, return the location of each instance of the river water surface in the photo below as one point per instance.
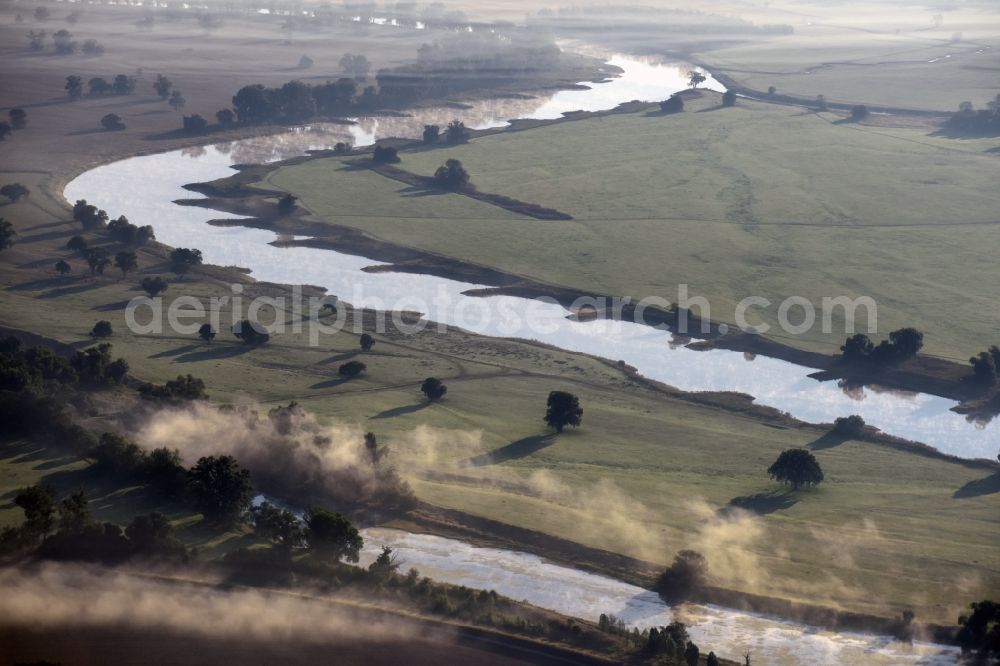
(143, 189)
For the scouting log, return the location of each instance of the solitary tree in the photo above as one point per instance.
(184, 259)
(332, 535)
(112, 122)
(206, 333)
(711, 660)
(367, 342)
(126, 261)
(102, 329)
(154, 285)
(821, 103)
(433, 388)
(220, 488)
(563, 410)
(796, 467)
(729, 98)
(859, 112)
(7, 234)
(62, 267)
(14, 191)
(351, 369)
(696, 78)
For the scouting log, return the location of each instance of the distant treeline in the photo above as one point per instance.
(449, 66)
(968, 120)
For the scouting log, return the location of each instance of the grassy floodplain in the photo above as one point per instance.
(648, 474)
(757, 200)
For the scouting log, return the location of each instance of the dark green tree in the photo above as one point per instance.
(74, 87)
(102, 329)
(796, 467)
(126, 261)
(452, 175)
(673, 104)
(280, 526)
(98, 260)
(39, 508)
(7, 234)
(112, 122)
(332, 535)
(162, 86)
(184, 259)
(14, 191)
(456, 133)
(367, 342)
(206, 333)
(251, 333)
(78, 244)
(432, 133)
(351, 369)
(62, 267)
(154, 285)
(685, 577)
(563, 409)
(433, 388)
(221, 488)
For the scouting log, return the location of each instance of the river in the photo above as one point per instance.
(144, 188)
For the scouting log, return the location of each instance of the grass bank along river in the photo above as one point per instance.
(126, 187)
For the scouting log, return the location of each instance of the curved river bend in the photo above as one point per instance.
(144, 188)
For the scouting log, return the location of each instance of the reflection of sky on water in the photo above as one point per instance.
(727, 632)
(126, 188)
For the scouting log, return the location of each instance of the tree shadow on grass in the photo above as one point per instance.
(111, 307)
(979, 487)
(401, 411)
(761, 503)
(69, 291)
(412, 191)
(717, 107)
(513, 451)
(212, 352)
(339, 358)
(331, 383)
(827, 440)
